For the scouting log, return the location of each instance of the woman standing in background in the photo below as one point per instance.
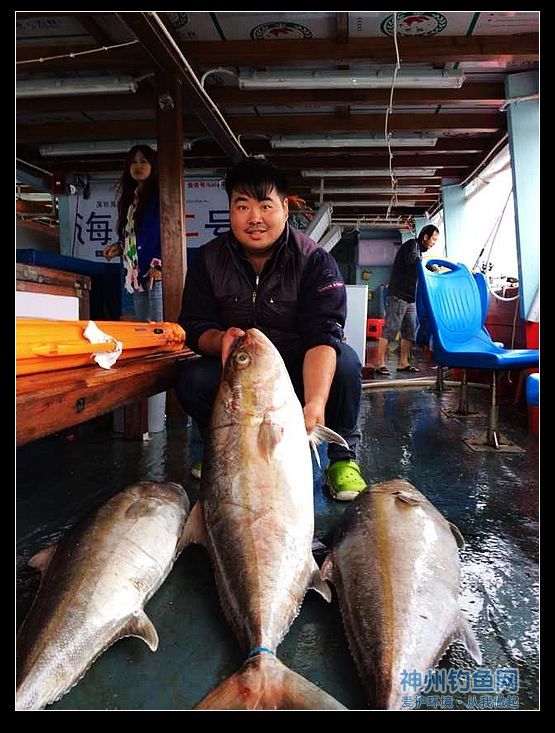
(138, 229)
(139, 246)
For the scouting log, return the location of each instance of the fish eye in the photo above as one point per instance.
(242, 359)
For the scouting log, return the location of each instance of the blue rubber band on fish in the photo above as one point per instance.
(258, 649)
(256, 500)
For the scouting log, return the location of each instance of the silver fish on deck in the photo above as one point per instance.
(255, 515)
(395, 567)
(95, 584)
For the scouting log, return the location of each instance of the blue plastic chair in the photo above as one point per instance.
(533, 389)
(454, 306)
(424, 336)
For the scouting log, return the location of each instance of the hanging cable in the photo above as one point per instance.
(73, 54)
(389, 111)
(475, 265)
(486, 264)
(213, 71)
(516, 100)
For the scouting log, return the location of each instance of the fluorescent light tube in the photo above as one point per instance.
(75, 86)
(376, 172)
(98, 148)
(355, 79)
(401, 190)
(350, 141)
(364, 222)
(383, 202)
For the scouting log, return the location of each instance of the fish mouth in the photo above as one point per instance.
(237, 342)
(250, 341)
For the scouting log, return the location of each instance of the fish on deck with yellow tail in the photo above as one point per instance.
(395, 566)
(95, 584)
(255, 515)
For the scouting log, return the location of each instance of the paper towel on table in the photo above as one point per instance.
(105, 359)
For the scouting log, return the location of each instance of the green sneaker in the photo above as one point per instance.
(344, 480)
(196, 469)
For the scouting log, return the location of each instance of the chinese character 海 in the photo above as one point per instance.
(98, 228)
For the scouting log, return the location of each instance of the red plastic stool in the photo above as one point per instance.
(374, 327)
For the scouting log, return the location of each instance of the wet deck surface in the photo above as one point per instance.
(491, 497)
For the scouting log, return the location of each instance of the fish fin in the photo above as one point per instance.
(321, 433)
(141, 626)
(468, 638)
(326, 571)
(264, 683)
(269, 436)
(318, 583)
(462, 632)
(194, 531)
(42, 559)
(408, 498)
(314, 447)
(456, 534)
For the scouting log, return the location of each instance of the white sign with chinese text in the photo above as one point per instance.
(206, 211)
(93, 220)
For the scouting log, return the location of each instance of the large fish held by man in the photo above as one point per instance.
(95, 584)
(395, 567)
(255, 515)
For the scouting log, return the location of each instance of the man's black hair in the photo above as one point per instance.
(255, 177)
(427, 231)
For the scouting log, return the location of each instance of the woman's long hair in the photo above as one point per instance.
(127, 186)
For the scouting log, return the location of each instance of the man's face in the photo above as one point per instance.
(431, 240)
(257, 224)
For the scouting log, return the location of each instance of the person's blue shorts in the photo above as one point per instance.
(400, 316)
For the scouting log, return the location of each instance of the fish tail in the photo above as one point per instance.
(264, 683)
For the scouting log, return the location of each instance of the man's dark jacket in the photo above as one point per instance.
(402, 281)
(298, 300)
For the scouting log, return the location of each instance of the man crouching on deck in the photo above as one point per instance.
(265, 274)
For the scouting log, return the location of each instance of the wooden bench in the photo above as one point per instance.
(49, 402)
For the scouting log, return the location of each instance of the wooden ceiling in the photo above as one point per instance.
(469, 122)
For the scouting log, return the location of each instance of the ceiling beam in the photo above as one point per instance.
(432, 49)
(142, 99)
(155, 38)
(453, 164)
(446, 145)
(492, 94)
(344, 160)
(371, 123)
(271, 124)
(93, 28)
(342, 27)
(289, 52)
(480, 94)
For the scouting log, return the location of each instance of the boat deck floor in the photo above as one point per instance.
(407, 433)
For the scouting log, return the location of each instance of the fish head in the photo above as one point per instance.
(254, 375)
